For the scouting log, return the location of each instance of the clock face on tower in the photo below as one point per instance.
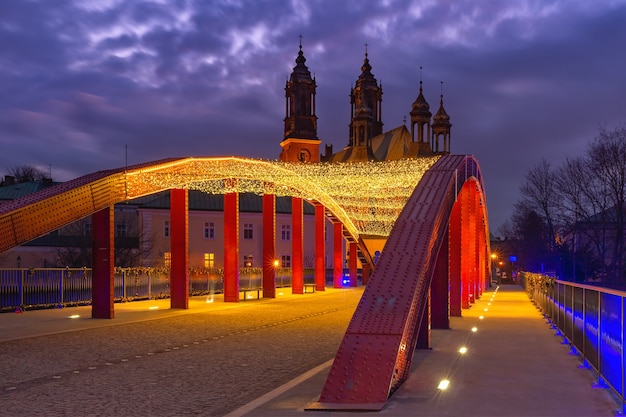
(304, 156)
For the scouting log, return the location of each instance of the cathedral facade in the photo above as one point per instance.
(366, 140)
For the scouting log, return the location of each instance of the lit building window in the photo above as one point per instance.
(167, 259)
(209, 260)
(247, 231)
(285, 261)
(209, 230)
(166, 228)
(285, 232)
(247, 261)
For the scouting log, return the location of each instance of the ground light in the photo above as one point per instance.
(73, 316)
(474, 329)
(153, 308)
(481, 317)
(463, 350)
(443, 384)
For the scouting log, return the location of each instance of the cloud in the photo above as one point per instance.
(522, 80)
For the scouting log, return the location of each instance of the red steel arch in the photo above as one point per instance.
(447, 207)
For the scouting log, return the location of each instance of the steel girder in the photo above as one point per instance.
(375, 355)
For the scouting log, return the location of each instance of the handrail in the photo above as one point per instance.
(591, 319)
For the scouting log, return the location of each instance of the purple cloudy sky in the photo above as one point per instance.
(523, 79)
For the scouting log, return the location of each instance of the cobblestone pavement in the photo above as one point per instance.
(198, 364)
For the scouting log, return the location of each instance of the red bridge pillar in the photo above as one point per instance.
(320, 248)
(231, 247)
(439, 289)
(179, 246)
(353, 264)
(366, 271)
(337, 254)
(468, 239)
(454, 236)
(103, 258)
(269, 246)
(297, 246)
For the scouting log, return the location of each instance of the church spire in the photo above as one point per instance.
(366, 108)
(420, 116)
(300, 119)
(441, 128)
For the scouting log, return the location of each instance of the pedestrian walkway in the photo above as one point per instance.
(513, 365)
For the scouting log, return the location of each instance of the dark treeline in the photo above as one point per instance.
(570, 219)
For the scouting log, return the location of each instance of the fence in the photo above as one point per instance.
(58, 287)
(592, 320)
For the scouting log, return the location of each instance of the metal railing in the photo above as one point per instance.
(24, 288)
(591, 319)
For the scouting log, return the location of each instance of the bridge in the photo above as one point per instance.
(426, 209)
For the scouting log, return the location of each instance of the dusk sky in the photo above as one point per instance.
(522, 80)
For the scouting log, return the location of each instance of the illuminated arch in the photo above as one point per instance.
(366, 197)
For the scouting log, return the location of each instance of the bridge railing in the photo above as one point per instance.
(592, 320)
(32, 288)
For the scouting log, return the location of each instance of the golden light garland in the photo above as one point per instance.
(366, 197)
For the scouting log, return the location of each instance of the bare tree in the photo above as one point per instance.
(607, 162)
(26, 173)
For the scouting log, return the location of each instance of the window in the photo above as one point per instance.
(87, 229)
(285, 261)
(209, 260)
(209, 230)
(247, 261)
(285, 232)
(247, 231)
(120, 230)
(166, 228)
(167, 259)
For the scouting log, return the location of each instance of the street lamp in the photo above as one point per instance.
(493, 268)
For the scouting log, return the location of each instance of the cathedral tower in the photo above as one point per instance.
(441, 128)
(300, 142)
(420, 116)
(366, 112)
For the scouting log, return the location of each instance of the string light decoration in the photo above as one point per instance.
(367, 197)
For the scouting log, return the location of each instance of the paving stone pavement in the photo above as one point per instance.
(205, 361)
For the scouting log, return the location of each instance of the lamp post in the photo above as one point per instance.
(493, 268)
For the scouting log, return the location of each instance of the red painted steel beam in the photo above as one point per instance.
(231, 247)
(366, 271)
(374, 357)
(423, 330)
(269, 246)
(179, 246)
(102, 287)
(320, 248)
(337, 255)
(297, 246)
(353, 264)
(454, 260)
(439, 289)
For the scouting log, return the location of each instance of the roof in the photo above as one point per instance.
(20, 189)
(392, 145)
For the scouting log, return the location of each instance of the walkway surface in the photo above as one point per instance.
(271, 358)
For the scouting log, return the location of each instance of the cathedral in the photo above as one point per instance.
(367, 141)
